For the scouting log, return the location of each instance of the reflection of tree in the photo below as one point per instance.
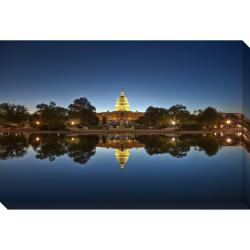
(159, 144)
(82, 148)
(12, 146)
(209, 144)
(178, 149)
(50, 147)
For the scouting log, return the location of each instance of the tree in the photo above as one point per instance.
(155, 116)
(82, 110)
(179, 113)
(52, 116)
(11, 113)
(81, 103)
(208, 117)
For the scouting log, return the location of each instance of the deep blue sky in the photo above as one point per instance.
(196, 74)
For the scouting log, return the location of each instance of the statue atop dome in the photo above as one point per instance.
(122, 103)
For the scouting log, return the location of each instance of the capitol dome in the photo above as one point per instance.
(122, 156)
(122, 103)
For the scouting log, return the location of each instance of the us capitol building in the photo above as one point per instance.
(122, 115)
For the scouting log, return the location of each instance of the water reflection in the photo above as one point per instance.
(80, 148)
(122, 145)
(122, 156)
(13, 146)
(167, 171)
(48, 146)
(179, 146)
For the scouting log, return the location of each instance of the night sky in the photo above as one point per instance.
(195, 74)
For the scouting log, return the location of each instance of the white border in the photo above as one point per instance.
(114, 20)
(124, 20)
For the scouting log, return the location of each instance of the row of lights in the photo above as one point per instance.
(38, 123)
(172, 122)
(228, 140)
(38, 138)
(228, 122)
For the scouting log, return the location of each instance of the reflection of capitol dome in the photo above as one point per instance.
(122, 103)
(122, 156)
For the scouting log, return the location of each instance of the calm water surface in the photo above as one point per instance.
(124, 171)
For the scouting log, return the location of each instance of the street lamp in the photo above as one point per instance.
(173, 122)
(37, 139)
(229, 140)
(72, 123)
(228, 122)
(37, 123)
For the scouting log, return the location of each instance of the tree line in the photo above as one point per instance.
(178, 115)
(50, 116)
(82, 113)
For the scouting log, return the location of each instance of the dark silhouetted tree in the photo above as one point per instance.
(54, 117)
(11, 113)
(82, 110)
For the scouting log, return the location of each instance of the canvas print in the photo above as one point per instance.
(124, 125)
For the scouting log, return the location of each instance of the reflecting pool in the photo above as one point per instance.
(124, 171)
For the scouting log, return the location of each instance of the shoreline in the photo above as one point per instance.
(124, 131)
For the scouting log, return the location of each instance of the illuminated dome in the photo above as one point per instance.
(122, 156)
(122, 103)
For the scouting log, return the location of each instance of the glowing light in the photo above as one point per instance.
(72, 139)
(239, 133)
(215, 126)
(173, 139)
(215, 133)
(37, 139)
(37, 123)
(229, 140)
(221, 134)
(221, 126)
(228, 122)
(72, 123)
(173, 122)
(238, 125)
